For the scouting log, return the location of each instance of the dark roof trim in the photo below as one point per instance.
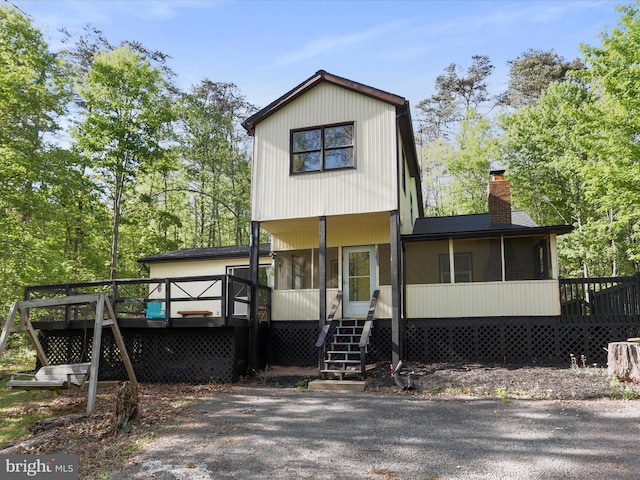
(207, 253)
(405, 125)
(319, 77)
(496, 232)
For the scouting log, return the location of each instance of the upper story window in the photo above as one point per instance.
(322, 148)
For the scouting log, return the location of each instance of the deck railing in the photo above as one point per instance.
(600, 296)
(210, 300)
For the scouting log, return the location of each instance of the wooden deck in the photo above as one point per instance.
(183, 302)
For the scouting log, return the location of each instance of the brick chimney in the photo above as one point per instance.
(499, 199)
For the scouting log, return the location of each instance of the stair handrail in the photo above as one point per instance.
(332, 313)
(366, 330)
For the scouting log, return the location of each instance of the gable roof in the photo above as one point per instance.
(206, 253)
(319, 77)
(477, 226)
(403, 114)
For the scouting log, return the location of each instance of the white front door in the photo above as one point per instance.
(358, 279)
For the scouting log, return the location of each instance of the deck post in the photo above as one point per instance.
(95, 355)
(398, 330)
(8, 328)
(322, 279)
(254, 261)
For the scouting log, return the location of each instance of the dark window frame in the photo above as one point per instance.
(322, 150)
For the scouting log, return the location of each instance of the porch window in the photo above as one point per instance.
(462, 265)
(244, 272)
(317, 149)
(479, 260)
(298, 269)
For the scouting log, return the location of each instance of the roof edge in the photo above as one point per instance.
(204, 253)
(506, 232)
(319, 77)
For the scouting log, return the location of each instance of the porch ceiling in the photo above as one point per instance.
(333, 222)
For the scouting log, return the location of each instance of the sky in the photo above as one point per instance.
(268, 47)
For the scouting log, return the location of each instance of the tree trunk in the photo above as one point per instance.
(127, 405)
(624, 361)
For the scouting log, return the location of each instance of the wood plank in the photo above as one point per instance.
(59, 301)
(95, 357)
(195, 313)
(8, 327)
(42, 356)
(52, 377)
(36, 384)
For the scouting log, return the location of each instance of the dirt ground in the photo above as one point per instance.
(102, 449)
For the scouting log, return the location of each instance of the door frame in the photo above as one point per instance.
(357, 308)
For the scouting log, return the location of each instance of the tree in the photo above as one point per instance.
(544, 145)
(456, 94)
(613, 75)
(450, 170)
(468, 163)
(33, 96)
(122, 129)
(531, 74)
(216, 168)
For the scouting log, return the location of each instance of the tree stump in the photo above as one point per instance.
(624, 361)
(126, 405)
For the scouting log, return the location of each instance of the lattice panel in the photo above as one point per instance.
(160, 356)
(438, 344)
(380, 347)
(67, 347)
(490, 348)
(571, 340)
(463, 343)
(294, 343)
(543, 344)
(221, 354)
(516, 344)
(416, 341)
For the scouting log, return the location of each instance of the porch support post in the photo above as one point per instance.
(398, 327)
(322, 279)
(254, 261)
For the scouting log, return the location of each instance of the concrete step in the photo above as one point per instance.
(342, 385)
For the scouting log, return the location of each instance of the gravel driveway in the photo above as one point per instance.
(267, 433)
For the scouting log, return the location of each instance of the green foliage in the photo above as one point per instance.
(216, 172)
(43, 189)
(531, 74)
(132, 183)
(457, 144)
(122, 132)
(572, 156)
(621, 391)
(467, 164)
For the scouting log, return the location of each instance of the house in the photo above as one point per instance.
(354, 272)
(336, 185)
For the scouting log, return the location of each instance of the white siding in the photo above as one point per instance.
(370, 187)
(194, 268)
(523, 298)
(305, 305)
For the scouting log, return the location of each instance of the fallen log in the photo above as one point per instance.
(623, 361)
